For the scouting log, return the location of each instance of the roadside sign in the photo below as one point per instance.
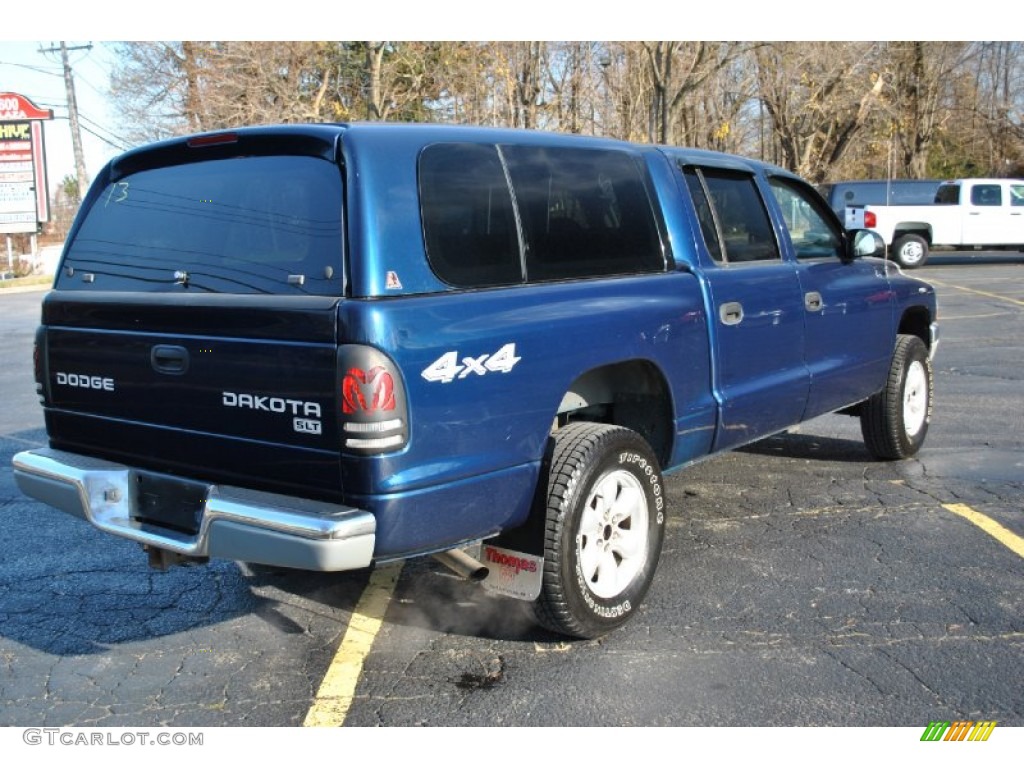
(24, 198)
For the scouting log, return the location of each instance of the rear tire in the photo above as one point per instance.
(894, 421)
(910, 251)
(605, 521)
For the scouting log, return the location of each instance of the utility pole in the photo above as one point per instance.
(76, 132)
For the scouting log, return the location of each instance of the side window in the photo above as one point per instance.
(1016, 194)
(704, 213)
(744, 230)
(986, 194)
(947, 194)
(469, 226)
(865, 194)
(584, 213)
(813, 235)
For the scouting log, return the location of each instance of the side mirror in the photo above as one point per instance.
(864, 242)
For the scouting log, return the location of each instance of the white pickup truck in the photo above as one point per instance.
(967, 212)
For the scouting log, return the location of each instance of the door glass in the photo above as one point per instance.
(986, 194)
(812, 233)
(745, 230)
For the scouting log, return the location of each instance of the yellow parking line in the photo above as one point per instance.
(987, 315)
(332, 702)
(988, 525)
(1018, 302)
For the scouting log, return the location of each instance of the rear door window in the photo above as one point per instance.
(245, 225)
(740, 230)
(986, 195)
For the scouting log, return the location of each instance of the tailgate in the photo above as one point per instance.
(224, 388)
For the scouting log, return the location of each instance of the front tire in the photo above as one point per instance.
(894, 421)
(605, 522)
(910, 251)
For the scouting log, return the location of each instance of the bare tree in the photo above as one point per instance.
(919, 95)
(155, 85)
(819, 96)
(855, 109)
(678, 71)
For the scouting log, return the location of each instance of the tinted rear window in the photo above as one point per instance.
(238, 225)
(947, 194)
(582, 213)
(469, 225)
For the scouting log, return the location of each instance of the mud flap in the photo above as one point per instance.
(515, 558)
(512, 573)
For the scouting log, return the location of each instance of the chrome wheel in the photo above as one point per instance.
(915, 399)
(612, 538)
(911, 253)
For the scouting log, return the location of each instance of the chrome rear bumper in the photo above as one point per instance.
(234, 523)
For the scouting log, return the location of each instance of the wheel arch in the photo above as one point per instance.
(920, 228)
(916, 321)
(633, 393)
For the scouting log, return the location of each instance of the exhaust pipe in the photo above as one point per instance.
(163, 559)
(465, 566)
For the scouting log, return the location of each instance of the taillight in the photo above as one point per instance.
(870, 220)
(212, 138)
(38, 360)
(374, 414)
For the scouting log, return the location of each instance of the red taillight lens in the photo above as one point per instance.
(870, 220)
(212, 138)
(374, 414)
(38, 363)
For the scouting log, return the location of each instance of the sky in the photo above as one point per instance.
(39, 77)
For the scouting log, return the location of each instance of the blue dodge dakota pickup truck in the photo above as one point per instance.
(330, 346)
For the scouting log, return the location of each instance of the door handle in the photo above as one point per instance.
(731, 313)
(813, 302)
(169, 359)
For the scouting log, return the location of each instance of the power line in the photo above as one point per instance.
(41, 70)
(117, 142)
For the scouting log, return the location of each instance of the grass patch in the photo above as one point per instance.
(31, 280)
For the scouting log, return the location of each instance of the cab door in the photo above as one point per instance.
(756, 309)
(848, 304)
(987, 215)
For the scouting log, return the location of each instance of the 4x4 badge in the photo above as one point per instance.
(447, 367)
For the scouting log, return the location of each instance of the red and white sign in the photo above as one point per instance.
(24, 202)
(14, 106)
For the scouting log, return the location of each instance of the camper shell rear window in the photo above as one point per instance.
(246, 225)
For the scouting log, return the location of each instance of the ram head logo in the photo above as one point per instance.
(368, 391)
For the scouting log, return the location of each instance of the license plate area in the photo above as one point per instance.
(169, 502)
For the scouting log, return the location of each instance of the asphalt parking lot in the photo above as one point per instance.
(801, 583)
